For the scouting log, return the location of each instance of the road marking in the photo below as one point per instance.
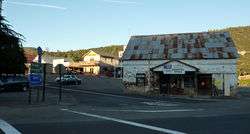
(155, 111)
(7, 128)
(103, 94)
(126, 122)
(159, 103)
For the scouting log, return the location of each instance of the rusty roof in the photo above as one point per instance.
(204, 45)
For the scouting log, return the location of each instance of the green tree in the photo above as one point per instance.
(11, 51)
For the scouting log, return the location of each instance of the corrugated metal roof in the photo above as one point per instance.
(205, 45)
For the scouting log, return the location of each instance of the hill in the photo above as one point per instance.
(78, 54)
(241, 38)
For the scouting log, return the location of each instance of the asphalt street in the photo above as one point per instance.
(97, 112)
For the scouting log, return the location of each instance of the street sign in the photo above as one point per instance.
(36, 68)
(39, 52)
(35, 80)
(35, 76)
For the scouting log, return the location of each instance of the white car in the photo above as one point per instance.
(69, 79)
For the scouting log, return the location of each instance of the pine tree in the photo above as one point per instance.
(12, 57)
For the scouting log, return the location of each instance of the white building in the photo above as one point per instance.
(54, 61)
(188, 63)
(96, 63)
(120, 53)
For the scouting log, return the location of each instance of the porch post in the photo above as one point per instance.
(195, 83)
(149, 70)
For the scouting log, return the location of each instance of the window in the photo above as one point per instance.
(92, 59)
(140, 79)
(136, 47)
(132, 57)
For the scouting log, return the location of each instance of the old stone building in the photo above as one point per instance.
(181, 64)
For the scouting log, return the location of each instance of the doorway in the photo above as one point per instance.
(171, 84)
(204, 84)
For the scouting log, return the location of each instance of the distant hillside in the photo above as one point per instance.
(241, 37)
(78, 54)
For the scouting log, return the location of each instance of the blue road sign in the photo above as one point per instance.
(39, 52)
(35, 80)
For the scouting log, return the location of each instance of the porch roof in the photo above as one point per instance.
(184, 65)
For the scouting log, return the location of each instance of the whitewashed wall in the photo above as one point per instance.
(216, 67)
(94, 56)
(60, 61)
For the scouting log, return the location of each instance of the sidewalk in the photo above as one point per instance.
(20, 99)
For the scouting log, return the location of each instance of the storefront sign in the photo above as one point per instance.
(173, 69)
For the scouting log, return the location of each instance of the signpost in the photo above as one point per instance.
(36, 79)
(39, 52)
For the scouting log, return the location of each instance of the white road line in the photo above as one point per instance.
(103, 94)
(155, 111)
(126, 122)
(7, 128)
(159, 103)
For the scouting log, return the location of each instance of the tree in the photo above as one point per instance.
(11, 51)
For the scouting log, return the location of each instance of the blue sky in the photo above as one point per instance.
(79, 24)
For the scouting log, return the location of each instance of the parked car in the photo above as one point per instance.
(69, 79)
(14, 82)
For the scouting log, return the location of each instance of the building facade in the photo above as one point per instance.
(96, 63)
(53, 62)
(181, 64)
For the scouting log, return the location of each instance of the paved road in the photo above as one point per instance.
(236, 124)
(96, 113)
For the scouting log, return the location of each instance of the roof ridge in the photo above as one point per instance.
(181, 33)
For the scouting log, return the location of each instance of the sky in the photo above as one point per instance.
(80, 24)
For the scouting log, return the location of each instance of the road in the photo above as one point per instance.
(96, 113)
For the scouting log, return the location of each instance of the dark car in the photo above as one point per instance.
(69, 80)
(14, 82)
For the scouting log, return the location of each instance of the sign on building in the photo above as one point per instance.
(173, 69)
